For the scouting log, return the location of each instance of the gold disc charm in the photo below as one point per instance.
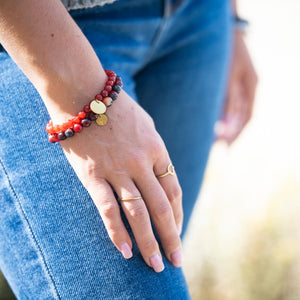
(101, 120)
(98, 107)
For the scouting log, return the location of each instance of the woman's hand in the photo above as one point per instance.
(125, 155)
(240, 95)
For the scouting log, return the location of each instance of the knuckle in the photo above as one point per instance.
(178, 217)
(92, 169)
(109, 209)
(163, 211)
(150, 245)
(114, 232)
(157, 147)
(172, 242)
(138, 160)
(137, 211)
(93, 176)
(176, 194)
(151, 121)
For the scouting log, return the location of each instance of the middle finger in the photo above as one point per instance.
(161, 214)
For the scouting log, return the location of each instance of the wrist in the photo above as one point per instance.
(93, 109)
(65, 97)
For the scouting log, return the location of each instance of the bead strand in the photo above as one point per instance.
(94, 111)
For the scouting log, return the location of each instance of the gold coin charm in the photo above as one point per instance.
(98, 107)
(101, 120)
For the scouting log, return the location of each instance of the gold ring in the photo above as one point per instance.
(129, 199)
(170, 171)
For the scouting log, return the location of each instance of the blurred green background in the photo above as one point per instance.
(243, 240)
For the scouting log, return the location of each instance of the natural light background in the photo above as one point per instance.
(243, 242)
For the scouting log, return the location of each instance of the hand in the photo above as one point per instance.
(125, 155)
(240, 95)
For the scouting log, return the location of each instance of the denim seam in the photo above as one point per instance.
(165, 17)
(31, 231)
(155, 41)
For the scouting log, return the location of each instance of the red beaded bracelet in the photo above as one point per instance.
(94, 111)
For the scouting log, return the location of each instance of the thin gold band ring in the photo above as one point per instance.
(130, 199)
(170, 171)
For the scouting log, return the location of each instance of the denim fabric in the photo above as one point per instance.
(76, 4)
(173, 57)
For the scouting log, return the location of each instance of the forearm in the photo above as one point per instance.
(51, 50)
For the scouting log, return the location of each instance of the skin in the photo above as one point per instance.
(125, 155)
(241, 90)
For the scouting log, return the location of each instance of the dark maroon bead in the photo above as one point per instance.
(61, 136)
(118, 78)
(119, 82)
(69, 132)
(92, 116)
(113, 95)
(86, 108)
(85, 122)
(117, 88)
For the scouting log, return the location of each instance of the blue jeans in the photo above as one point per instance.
(173, 57)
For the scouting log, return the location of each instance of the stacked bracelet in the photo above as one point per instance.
(94, 111)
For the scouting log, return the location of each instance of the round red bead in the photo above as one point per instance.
(81, 114)
(104, 93)
(64, 126)
(77, 127)
(49, 128)
(83, 118)
(108, 88)
(56, 128)
(53, 138)
(109, 72)
(76, 119)
(98, 97)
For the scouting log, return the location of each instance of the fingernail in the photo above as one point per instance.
(156, 263)
(126, 251)
(179, 228)
(176, 258)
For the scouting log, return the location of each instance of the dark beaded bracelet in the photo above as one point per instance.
(94, 111)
